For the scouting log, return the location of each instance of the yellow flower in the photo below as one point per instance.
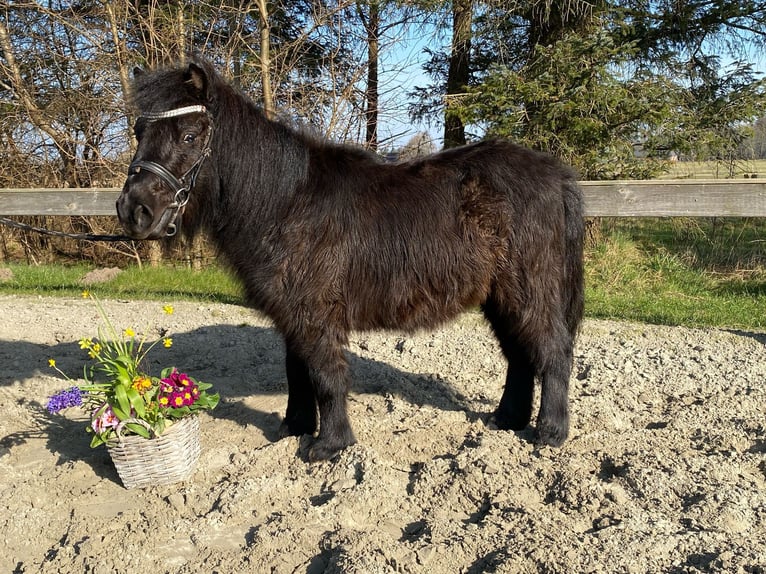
(85, 294)
(168, 309)
(167, 342)
(129, 332)
(142, 383)
(95, 350)
(52, 363)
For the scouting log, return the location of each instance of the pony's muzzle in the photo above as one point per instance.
(136, 218)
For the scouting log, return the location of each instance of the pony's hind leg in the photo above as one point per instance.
(301, 415)
(541, 347)
(515, 409)
(553, 418)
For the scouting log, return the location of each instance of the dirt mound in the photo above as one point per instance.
(665, 470)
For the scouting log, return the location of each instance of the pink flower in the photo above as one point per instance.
(177, 400)
(104, 418)
(183, 380)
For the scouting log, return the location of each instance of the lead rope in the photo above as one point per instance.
(43, 231)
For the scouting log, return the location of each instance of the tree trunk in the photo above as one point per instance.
(265, 30)
(459, 70)
(372, 27)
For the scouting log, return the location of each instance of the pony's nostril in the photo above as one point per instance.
(142, 216)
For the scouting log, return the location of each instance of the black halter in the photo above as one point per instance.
(183, 185)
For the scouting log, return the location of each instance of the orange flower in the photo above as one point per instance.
(142, 383)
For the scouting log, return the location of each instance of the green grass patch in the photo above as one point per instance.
(740, 168)
(694, 272)
(678, 272)
(165, 283)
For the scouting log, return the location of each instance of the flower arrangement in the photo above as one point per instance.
(118, 391)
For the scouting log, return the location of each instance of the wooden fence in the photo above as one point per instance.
(662, 198)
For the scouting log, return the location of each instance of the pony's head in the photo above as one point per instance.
(174, 130)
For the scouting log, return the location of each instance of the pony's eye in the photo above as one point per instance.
(189, 138)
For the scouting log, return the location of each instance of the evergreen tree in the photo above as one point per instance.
(607, 85)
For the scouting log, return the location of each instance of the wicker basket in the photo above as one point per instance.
(163, 459)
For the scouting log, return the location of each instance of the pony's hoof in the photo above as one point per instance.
(551, 434)
(320, 453)
(295, 428)
(511, 421)
(326, 450)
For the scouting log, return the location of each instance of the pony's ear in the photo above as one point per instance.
(197, 77)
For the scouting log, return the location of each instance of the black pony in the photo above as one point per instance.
(327, 239)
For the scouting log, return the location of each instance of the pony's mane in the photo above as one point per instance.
(282, 158)
(170, 87)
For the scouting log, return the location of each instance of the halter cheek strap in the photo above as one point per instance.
(176, 184)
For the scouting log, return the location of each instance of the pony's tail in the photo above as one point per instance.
(574, 241)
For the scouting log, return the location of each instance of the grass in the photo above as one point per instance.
(166, 283)
(716, 169)
(694, 272)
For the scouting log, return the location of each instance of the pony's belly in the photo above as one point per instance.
(412, 311)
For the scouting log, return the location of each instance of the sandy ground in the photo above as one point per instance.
(664, 471)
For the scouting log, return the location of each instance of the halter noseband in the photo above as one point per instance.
(183, 185)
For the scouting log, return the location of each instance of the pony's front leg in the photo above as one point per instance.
(317, 379)
(331, 386)
(301, 416)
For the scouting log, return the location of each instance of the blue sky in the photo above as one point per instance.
(401, 69)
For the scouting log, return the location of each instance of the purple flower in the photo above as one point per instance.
(71, 397)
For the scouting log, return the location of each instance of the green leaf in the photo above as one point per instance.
(213, 400)
(138, 429)
(121, 396)
(178, 413)
(120, 413)
(137, 402)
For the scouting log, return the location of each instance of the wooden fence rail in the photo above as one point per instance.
(661, 198)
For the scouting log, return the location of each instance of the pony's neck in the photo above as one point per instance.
(260, 163)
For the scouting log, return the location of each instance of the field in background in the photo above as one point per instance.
(717, 169)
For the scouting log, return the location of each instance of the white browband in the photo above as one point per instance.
(176, 112)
